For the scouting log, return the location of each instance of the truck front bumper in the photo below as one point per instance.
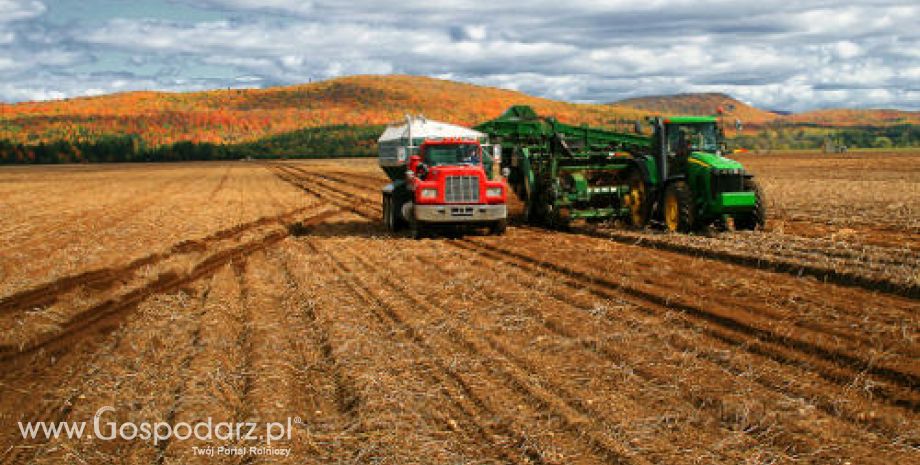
(460, 213)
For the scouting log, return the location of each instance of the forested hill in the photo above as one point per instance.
(342, 117)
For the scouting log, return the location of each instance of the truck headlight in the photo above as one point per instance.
(494, 192)
(429, 194)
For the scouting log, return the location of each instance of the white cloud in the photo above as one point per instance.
(776, 54)
(17, 10)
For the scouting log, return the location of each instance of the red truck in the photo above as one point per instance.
(441, 180)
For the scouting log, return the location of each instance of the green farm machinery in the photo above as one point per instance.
(674, 176)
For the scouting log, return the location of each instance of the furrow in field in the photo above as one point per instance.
(501, 373)
(138, 371)
(450, 423)
(717, 379)
(835, 365)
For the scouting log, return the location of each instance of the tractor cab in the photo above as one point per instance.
(683, 135)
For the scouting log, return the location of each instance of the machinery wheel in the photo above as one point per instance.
(556, 220)
(678, 207)
(637, 200)
(757, 219)
(498, 228)
(531, 214)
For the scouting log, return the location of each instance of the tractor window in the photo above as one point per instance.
(452, 154)
(699, 137)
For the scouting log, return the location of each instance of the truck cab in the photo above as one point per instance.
(450, 187)
(441, 179)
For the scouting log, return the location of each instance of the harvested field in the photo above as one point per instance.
(258, 292)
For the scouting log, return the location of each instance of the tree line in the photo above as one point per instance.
(320, 142)
(806, 136)
(361, 141)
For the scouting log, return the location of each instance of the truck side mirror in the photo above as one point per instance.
(414, 160)
(412, 166)
(497, 153)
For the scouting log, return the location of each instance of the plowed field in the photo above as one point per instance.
(262, 292)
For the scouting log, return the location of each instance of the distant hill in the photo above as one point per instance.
(707, 103)
(233, 116)
(856, 117)
(699, 104)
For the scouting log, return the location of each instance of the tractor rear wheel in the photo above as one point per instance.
(757, 219)
(678, 207)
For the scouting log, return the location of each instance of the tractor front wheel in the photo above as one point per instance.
(678, 207)
(757, 218)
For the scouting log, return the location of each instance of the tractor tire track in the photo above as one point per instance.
(105, 278)
(655, 242)
(110, 311)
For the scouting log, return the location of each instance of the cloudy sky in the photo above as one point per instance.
(775, 54)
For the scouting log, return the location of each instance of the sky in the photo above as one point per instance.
(775, 54)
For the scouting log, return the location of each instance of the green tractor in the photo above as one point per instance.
(676, 176)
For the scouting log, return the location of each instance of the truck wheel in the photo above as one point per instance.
(396, 221)
(416, 230)
(678, 207)
(757, 219)
(498, 228)
(387, 211)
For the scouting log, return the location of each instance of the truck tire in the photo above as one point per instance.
(757, 219)
(416, 230)
(396, 218)
(387, 211)
(678, 208)
(498, 228)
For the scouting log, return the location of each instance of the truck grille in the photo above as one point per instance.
(462, 189)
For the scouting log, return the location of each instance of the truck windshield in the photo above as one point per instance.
(696, 137)
(452, 154)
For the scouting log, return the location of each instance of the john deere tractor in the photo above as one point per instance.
(676, 176)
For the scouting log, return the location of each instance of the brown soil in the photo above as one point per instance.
(258, 292)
